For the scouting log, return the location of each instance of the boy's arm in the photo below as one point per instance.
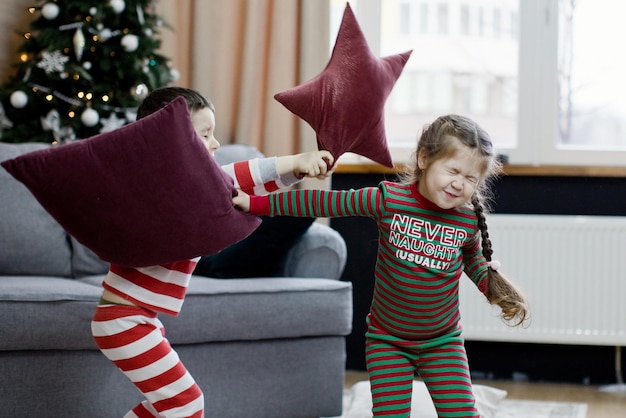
(261, 176)
(314, 164)
(258, 176)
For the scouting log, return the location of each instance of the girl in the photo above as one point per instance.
(125, 325)
(432, 228)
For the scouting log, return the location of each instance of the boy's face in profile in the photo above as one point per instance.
(204, 123)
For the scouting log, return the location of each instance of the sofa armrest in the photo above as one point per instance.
(320, 252)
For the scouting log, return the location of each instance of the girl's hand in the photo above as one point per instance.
(242, 201)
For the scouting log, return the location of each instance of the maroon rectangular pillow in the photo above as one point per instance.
(148, 193)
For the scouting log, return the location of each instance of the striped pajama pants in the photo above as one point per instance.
(133, 338)
(442, 364)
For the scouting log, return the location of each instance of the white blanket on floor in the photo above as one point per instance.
(358, 401)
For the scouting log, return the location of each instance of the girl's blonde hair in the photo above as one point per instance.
(439, 140)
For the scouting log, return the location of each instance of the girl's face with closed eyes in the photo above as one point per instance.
(204, 123)
(450, 182)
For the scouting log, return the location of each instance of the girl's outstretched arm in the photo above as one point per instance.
(314, 203)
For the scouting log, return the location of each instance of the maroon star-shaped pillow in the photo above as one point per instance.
(145, 194)
(344, 104)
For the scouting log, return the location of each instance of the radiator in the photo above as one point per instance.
(573, 272)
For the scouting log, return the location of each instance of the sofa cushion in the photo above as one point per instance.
(324, 245)
(59, 311)
(231, 153)
(261, 308)
(31, 241)
(85, 262)
(41, 312)
(147, 193)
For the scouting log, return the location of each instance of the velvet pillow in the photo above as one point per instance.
(145, 194)
(345, 103)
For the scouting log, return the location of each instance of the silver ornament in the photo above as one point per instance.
(139, 92)
(79, 43)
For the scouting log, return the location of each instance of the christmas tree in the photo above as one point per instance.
(83, 69)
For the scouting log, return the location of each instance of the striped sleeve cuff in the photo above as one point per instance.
(260, 205)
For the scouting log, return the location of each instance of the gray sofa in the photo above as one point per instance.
(258, 347)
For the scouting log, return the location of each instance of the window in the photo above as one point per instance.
(404, 18)
(443, 18)
(423, 18)
(543, 77)
(465, 20)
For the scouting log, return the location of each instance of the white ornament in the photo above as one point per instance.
(87, 65)
(112, 123)
(53, 61)
(175, 74)
(93, 11)
(130, 114)
(118, 6)
(52, 121)
(140, 16)
(130, 42)
(139, 92)
(79, 43)
(64, 134)
(18, 99)
(105, 34)
(50, 11)
(5, 123)
(90, 117)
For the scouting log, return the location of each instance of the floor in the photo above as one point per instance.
(600, 404)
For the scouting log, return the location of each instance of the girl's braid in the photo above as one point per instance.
(500, 290)
(479, 208)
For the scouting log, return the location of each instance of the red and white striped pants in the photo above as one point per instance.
(133, 338)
